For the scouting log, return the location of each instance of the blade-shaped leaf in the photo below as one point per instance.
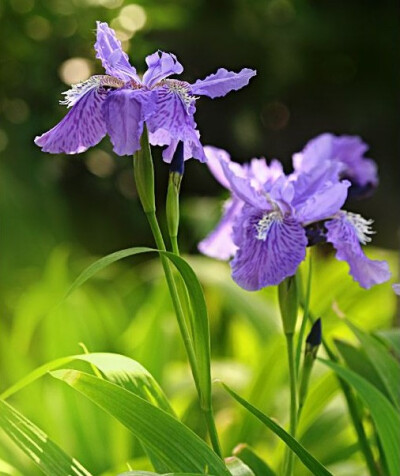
(248, 456)
(116, 368)
(172, 442)
(358, 362)
(48, 456)
(384, 415)
(385, 365)
(307, 459)
(199, 325)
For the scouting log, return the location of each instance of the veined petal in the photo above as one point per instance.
(160, 66)
(173, 122)
(81, 128)
(270, 248)
(222, 82)
(345, 233)
(219, 243)
(109, 50)
(125, 112)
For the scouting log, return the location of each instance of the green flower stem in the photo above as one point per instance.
(174, 244)
(289, 457)
(355, 414)
(208, 412)
(155, 228)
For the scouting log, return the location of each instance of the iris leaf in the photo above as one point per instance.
(385, 365)
(46, 454)
(307, 459)
(175, 445)
(384, 415)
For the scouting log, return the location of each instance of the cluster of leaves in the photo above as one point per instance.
(123, 388)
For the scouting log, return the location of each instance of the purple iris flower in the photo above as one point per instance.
(120, 102)
(267, 221)
(348, 151)
(219, 243)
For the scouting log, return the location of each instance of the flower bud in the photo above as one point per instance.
(288, 303)
(174, 185)
(313, 342)
(144, 174)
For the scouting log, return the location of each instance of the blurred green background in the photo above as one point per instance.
(322, 66)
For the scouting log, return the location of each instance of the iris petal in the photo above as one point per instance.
(265, 262)
(222, 82)
(160, 66)
(81, 128)
(342, 233)
(109, 50)
(172, 123)
(125, 112)
(219, 243)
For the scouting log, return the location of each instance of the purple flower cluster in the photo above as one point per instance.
(120, 102)
(271, 218)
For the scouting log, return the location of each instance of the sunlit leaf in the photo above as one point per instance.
(385, 365)
(46, 454)
(384, 415)
(171, 441)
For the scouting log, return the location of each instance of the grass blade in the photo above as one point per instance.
(307, 459)
(48, 456)
(385, 365)
(172, 442)
(384, 415)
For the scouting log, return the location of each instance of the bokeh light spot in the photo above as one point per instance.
(16, 110)
(22, 6)
(75, 70)
(132, 18)
(275, 115)
(38, 28)
(100, 163)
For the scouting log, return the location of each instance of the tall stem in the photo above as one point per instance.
(155, 228)
(289, 458)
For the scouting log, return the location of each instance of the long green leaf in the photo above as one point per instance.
(116, 368)
(48, 456)
(308, 460)
(358, 362)
(385, 365)
(384, 415)
(199, 325)
(248, 456)
(172, 442)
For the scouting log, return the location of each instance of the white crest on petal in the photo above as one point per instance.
(182, 89)
(266, 222)
(77, 91)
(362, 227)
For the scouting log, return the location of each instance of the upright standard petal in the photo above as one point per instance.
(323, 204)
(81, 128)
(347, 150)
(345, 233)
(109, 50)
(125, 112)
(244, 189)
(173, 121)
(222, 82)
(160, 66)
(219, 243)
(270, 248)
